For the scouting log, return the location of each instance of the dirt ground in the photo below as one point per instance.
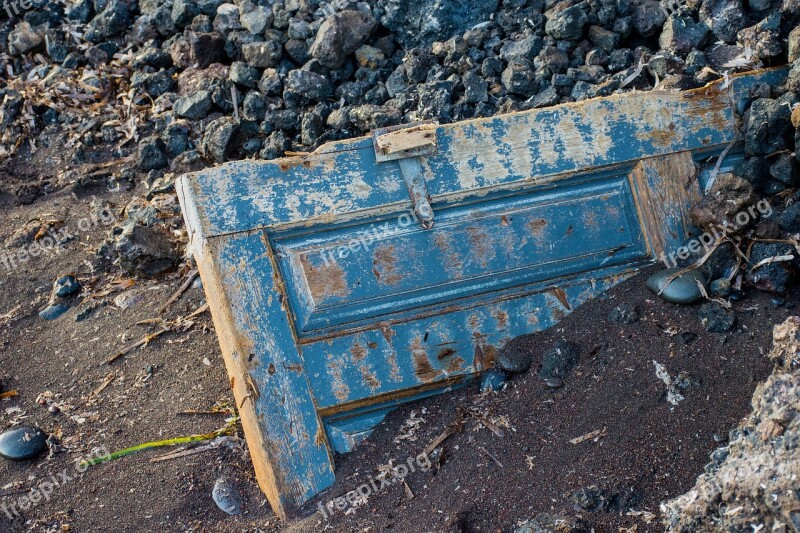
(647, 445)
(61, 361)
(649, 451)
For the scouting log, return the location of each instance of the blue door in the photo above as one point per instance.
(384, 269)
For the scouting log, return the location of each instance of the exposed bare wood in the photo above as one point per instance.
(663, 204)
(404, 140)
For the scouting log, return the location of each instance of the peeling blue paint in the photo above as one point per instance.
(324, 330)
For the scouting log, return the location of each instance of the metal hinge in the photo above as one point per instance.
(408, 144)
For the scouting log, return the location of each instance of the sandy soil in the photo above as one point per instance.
(648, 445)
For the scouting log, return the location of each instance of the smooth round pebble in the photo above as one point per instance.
(682, 290)
(53, 311)
(226, 497)
(22, 442)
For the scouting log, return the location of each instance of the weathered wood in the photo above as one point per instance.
(663, 204)
(324, 329)
(342, 181)
(407, 139)
(285, 436)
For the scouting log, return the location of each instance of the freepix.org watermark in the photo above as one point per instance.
(50, 242)
(43, 491)
(15, 8)
(716, 233)
(367, 238)
(374, 485)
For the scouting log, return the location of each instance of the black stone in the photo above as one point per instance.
(620, 59)
(418, 62)
(114, 19)
(154, 84)
(624, 314)
(774, 276)
(22, 442)
(558, 360)
(753, 169)
(307, 86)
(66, 286)
(591, 499)
(152, 154)
(243, 74)
(767, 127)
(789, 220)
(715, 318)
(176, 139)
(514, 358)
(783, 169)
(567, 24)
(493, 380)
(420, 22)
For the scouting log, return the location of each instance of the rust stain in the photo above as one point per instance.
(536, 227)
(394, 373)
(501, 317)
(340, 388)
(659, 138)
(474, 321)
(489, 355)
(444, 353)
(590, 219)
(369, 378)
(452, 261)
(319, 437)
(391, 358)
(482, 244)
(287, 163)
(422, 364)
(385, 266)
(387, 333)
(358, 351)
(456, 364)
(324, 280)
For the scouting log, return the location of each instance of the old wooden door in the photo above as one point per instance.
(343, 283)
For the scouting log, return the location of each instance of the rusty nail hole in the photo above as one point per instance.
(372, 345)
(671, 126)
(271, 369)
